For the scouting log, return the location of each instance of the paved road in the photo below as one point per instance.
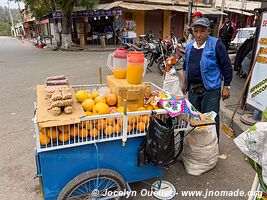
(22, 67)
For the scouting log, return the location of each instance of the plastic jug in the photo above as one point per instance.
(117, 62)
(135, 67)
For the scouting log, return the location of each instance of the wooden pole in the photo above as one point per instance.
(100, 75)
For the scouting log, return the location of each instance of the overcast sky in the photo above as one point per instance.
(12, 4)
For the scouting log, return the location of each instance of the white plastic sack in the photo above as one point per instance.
(171, 84)
(200, 152)
(253, 143)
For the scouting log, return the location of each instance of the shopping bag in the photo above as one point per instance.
(171, 84)
(158, 146)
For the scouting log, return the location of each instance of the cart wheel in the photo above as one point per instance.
(94, 184)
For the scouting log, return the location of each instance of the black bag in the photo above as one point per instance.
(158, 146)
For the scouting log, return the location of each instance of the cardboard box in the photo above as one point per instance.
(46, 119)
(134, 94)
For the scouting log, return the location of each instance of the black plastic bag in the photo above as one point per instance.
(158, 146)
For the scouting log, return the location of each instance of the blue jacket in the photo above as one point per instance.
(209, 65)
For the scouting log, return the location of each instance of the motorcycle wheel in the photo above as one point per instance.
(161, 67)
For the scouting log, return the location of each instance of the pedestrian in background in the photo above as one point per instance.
(206, 63)
(226, 33)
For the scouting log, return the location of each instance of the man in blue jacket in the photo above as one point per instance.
(206, 64)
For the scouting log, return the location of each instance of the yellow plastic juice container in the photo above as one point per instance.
(135, 67)
(120, 73)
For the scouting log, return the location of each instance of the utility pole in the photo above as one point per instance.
(190, 8)
(221, 20)
(12, 21)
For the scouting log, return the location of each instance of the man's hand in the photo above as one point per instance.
(225, 93)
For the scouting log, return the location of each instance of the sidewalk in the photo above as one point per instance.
(228, 106)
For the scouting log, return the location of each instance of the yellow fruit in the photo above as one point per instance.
(138, 119)
(145, 119)
(149, 107)
(95, 94)
(110, 121)
(108, 130)
(94, 132)
(155, 107)
(100, 124)
(89, 125)
(63, 128)
(90, 96)
(101, 108)
(88, 113)
(63, 137)
(100, 99)
(141, 109)
(131, 120)
(74, 131)
(141, 126)
(117, 128)
(120, 121)
(111, 99)
(81, 124)
(81, 95)
(44, 139)
(88, 104)
(121, 109)
(129, 128)
(52, 133)
(83, 133)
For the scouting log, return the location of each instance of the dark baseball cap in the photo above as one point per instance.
(202, 22)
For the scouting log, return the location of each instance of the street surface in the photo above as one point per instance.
(23, 66)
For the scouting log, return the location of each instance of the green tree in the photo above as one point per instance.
(39, 8)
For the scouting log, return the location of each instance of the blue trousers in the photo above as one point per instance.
(207, 101)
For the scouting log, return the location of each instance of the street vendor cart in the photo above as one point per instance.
(87, 167)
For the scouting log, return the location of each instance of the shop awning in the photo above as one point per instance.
(210, 11)
(141, 6)
(239, 12)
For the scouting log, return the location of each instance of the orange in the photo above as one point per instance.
(52, 133)
(74, 131)
(149, 107)
(88, 113)
(94, 132)
(81, 124)
(138, 118)
(131, 120)
(145, 119)
(141, 126)
(81, 95)
(141, 109)
(117, 129)
(63, 128)
(100, 124)
(129, 128)
(121, 109)
(89, 125)
(44, 139)
(110, 121)
(120, 121)
(63, 137)
(108, 130)
(111, 99)
(83, 133)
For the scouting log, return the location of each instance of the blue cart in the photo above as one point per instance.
(100, 166)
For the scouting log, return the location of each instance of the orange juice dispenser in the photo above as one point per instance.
(117, 62)
(135, 67)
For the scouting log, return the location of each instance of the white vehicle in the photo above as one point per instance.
(241, 36)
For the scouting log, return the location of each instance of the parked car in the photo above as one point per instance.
(241, 36)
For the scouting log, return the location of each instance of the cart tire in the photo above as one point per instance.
(91, 175)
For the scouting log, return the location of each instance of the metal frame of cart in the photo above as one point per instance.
(86, 167)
